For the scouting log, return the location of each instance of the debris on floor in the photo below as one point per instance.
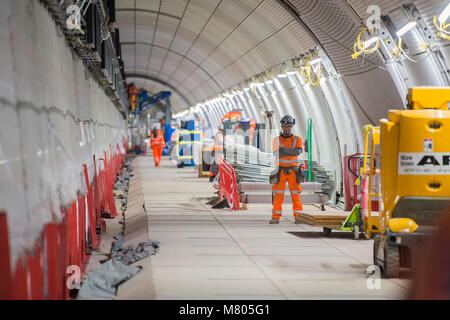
(122, 183)
(130, 254)
(101, 283)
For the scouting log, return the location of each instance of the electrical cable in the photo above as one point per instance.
(360, 45)
(442, 33)
(317, 73)
(412, 60)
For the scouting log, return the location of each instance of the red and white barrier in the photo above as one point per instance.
(228, 184)
(41, 272)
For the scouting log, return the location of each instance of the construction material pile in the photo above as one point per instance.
(121, 185)
(249, 163)
(313, 216)
(130, 254)
(323, 176)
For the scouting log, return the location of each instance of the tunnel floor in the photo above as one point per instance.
(220, 254)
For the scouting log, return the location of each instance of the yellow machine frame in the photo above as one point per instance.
(414, 172)
(371, 139)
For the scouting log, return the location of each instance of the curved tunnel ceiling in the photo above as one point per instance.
(203, 47)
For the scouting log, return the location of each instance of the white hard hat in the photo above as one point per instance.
(221, 126)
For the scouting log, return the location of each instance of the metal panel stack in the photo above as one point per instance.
(249, 163)
(323, 176)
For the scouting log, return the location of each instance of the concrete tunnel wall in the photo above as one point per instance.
(54, 118)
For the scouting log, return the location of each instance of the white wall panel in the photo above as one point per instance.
(41, 156)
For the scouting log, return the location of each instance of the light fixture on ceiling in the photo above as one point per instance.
(370, 42)
(400, 32)
(445, 14)
(255, 83)
(282, 73)
(246, 87)
(315, 64)
(268, 78)
(442, 32)
(407, 27)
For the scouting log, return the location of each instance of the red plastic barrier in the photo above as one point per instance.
(108, 177)
(55, 276)
(20, 286)
(228, 184)
(61, 243)
(36, 273)
(91, 211)
(97, 195)
(83, 256)
(5, 260)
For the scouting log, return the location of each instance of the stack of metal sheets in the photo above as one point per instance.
(249, 163)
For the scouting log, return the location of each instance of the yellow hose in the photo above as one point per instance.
(308, 73)
(360, 45)
(396, 53)
(442, 33)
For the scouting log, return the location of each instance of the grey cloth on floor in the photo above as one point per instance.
(130, 254)
(101, 283)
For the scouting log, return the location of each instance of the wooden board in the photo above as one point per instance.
(330, 217)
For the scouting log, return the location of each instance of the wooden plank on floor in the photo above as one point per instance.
(312, 215)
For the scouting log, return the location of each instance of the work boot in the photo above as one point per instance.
(274, 221)
(298, 220)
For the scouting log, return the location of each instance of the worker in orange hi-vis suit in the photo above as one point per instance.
(157, 143)
(286, 148)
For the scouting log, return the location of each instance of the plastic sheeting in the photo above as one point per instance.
(54, 118)
(101, 283)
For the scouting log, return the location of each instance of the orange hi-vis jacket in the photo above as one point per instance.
(293, 142)
(158, 141)
(218, 142)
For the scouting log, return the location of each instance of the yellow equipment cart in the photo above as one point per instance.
(411, 178)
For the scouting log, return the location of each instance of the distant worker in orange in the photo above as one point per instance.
(286, 148)
(252, 130)
(157, 143)
(132, 96)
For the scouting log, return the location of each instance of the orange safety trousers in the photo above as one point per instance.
(278, 194)
(157, 153)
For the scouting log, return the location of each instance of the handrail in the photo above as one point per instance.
(373, 132)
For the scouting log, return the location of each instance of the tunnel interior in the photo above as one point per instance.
(65, 113)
